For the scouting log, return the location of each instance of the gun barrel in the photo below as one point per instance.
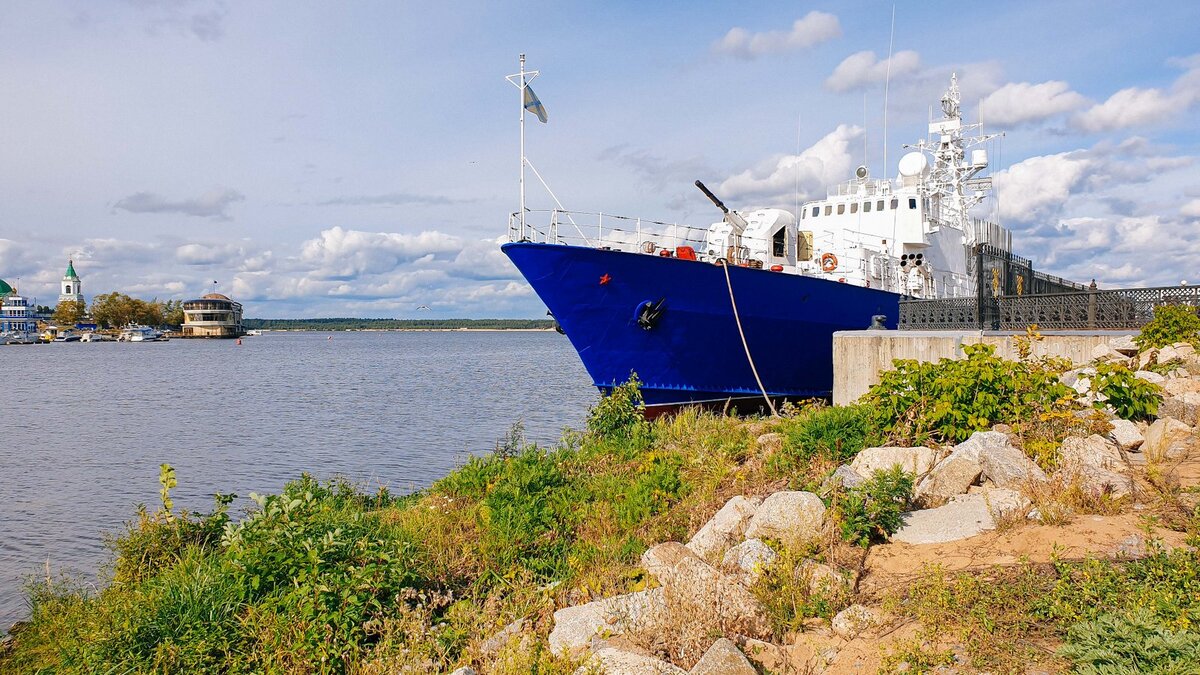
(708, 193)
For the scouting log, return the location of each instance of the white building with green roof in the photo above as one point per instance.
(72, 286)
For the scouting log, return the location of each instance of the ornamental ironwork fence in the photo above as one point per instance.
(1088, 309)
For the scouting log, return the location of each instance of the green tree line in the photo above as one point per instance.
(113, 310)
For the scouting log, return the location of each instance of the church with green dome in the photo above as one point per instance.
(72, 286)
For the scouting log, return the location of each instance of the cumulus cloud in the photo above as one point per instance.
(775, 183)
(1037, 188)
(202, 19)
(1190, 209)
(808, 31)
(338, 253)
(864, 69)
(208, 254)
(212, 204)
(1136, 106)
(1022, 102)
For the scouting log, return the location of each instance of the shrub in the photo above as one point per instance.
(1171, 324)
(831, 433)
(1136, 642)
(1131, 397)
(871, 511)
(953, 398)
(792, 589)
(620, 414)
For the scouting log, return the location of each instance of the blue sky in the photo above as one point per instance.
(334, 159)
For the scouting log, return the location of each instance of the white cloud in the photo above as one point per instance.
(864, 69)
(1190, 209)
(813, 29)
(1037, 188)
(827, 162)
(343, 254)
(1136, 106)
(207, 254)
(1020, 102)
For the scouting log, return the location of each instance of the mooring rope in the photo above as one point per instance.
(737, 319)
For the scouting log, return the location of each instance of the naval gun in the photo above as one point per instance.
(735, 220)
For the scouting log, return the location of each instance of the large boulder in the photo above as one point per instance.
(723, 658)
(1095, 451)
(964, 516)
(1124, 344)
(1106, 354)
(701, 591)
(917, 461)
(791, 518)
(949, 477)
(1147, 358)
(1168, 438)
(613, 661)
(660, 560)
(1127, 435)
(574, 627)
(1184, 407)
(725, 528)
(1002, 463)
(1104, 481)
(843, 478)
(749, 558)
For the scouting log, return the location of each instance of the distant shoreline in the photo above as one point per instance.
(355, 324)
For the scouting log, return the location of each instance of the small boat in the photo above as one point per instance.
(138, 333)
(254, 331)
(68, 336)
(18, 337)
(96, 337)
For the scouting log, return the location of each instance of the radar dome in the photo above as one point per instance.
(914, 164)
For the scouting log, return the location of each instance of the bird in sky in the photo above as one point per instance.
(425, 307)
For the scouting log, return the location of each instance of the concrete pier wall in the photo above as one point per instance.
(860, 356)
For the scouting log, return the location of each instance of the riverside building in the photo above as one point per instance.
(17, 324)
(212, 316)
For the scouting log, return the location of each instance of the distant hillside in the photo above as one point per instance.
(397, 324)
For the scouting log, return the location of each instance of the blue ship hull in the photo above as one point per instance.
(693, 353)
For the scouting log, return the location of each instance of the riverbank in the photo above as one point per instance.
(991, 519)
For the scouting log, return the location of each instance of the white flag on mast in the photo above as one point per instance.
(533, 105)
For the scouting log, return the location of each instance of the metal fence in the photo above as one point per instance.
(1089, 309)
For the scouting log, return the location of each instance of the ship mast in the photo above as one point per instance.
(952, 186)
(521, 80)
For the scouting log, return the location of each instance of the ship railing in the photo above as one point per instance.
(596, 229)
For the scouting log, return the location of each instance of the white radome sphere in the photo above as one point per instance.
(914, 164)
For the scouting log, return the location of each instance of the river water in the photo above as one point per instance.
(86, 426)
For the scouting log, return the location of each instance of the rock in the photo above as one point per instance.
(1071, 378)
(751, 558)
(613, 661)
(465, 670)
(852, 621)
(1095, 451)
(917, 461)
(951, 476)
(1167, 438)
(1002, 464)
(769, 443)
(495, 643)
(1124, 344)
(574, 627)
(700, 590)
(843, 477)
(723, 658)
(788, 517)
(964, 516)
(1184, 350)
(1104, 481)
(1127, 435)
(660, 560)
(1106, 354)
(725, 528)
(1184, 407)
(1130, 548)
(823, 579)
(1181, 373)
(1147, 358)
(1150, 376)
(1167, 354)
(1179, 387)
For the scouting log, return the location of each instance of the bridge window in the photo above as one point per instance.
(816, 211)
(895, 204)
(828, 209)
(866, 207)
(879, 205)
(912, 203)
(841, 209)
(854, 207)
(779, 243)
